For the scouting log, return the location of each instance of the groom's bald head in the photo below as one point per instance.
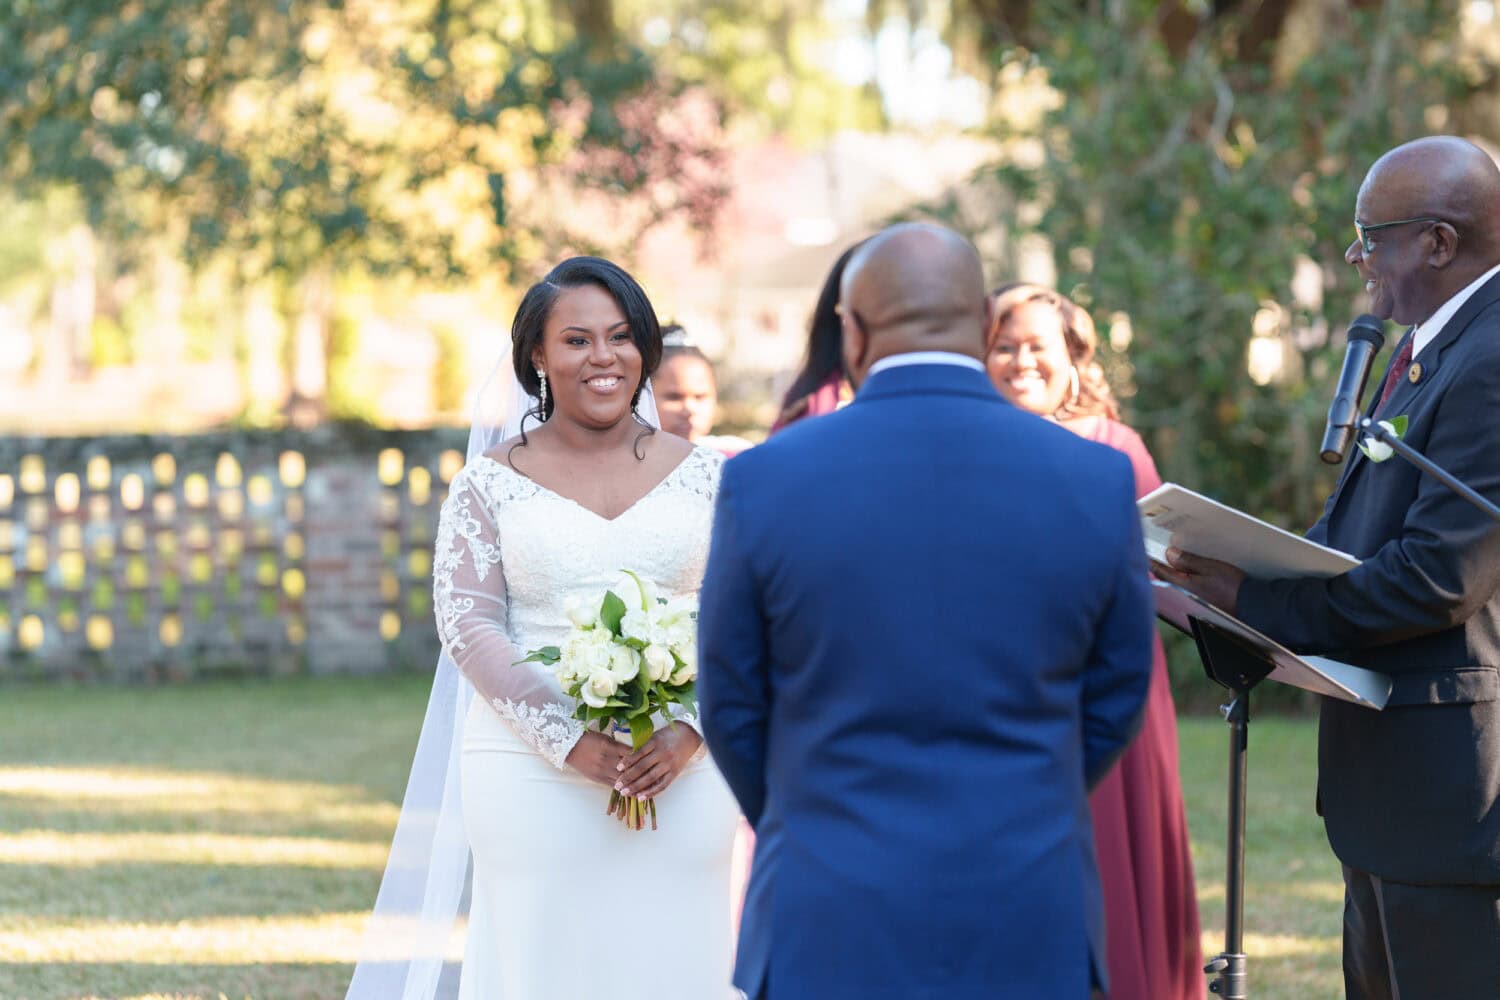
(912, 287)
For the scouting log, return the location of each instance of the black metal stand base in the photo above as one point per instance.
(1229, 975)
(1238, 667)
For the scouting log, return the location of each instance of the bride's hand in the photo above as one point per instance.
(598, 758)
(656, 765)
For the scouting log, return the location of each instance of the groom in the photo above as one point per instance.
(912, 676)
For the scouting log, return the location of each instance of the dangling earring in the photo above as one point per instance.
(542, 378)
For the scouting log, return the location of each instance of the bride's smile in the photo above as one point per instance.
(590, 357)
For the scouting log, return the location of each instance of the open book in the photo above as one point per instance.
(1179, 518)
(1317, 674)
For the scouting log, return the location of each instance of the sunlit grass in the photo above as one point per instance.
(237, 940)
(199, 841)
(228, 839)
(78, 850)
(1294, 889)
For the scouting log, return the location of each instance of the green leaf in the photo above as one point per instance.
(641, 729)
(547, 654)
(640, 588)
(611, 611)
(1398, 424)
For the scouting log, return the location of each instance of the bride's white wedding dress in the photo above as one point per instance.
(566, 902)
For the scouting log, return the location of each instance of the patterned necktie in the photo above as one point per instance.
(1397, 372)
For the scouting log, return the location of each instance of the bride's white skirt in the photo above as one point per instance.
(568, 904)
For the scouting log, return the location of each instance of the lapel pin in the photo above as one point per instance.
(1414, 373)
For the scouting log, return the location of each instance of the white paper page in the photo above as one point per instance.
(1317, 674)
(1174, 516)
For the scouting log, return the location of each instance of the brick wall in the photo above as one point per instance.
(157, 557)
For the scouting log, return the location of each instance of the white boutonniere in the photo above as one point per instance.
(1379, 451)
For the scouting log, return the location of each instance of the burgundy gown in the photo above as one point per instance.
(1140, 827)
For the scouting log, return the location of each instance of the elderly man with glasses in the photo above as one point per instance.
(1411, 796)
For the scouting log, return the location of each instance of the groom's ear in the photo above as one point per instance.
(856, 345)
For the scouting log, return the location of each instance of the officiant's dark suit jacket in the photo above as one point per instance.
(925, 631)
(1412, 794)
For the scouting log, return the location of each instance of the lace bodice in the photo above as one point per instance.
(509, 554)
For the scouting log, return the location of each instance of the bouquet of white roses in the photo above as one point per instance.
(629, 655)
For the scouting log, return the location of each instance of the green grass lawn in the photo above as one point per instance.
(227, 839)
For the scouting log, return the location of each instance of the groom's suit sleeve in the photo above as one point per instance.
(1118, 674)
(733, 686)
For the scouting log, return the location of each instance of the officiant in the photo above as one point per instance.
(1410, 796)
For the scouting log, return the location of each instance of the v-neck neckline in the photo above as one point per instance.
(671, 474)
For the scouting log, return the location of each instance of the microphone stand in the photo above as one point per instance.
(1384, 436)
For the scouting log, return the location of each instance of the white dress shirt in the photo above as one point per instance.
(926, 358)
(1428, 330)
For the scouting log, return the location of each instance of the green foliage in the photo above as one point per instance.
(110, 343)
(612, 612)
(300, 133)
(348, 395)
(770, 61)
(1183, 174)
(22, 241)
(450, 375)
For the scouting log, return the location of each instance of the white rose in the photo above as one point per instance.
(641, 625)
(678, 621)
(599, 688)
(659, 663)
(583, 654)
(583, 612)
(624, 663)
(689, 669)
(1378, 451)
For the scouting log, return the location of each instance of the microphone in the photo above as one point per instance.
(1366, 337)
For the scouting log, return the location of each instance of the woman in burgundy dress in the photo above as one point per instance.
(1040, 355)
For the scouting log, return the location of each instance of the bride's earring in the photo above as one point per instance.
(542, 377)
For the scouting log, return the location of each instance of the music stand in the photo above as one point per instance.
(1238, 657)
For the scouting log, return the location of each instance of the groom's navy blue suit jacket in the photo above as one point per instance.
(925, 632)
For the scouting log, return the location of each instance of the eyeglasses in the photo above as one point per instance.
(1364, 231)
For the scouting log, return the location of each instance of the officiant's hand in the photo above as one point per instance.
(598, 758)
(1216, 582)
(656, 765)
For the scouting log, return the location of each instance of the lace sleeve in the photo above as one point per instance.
(470, 603)
(701, 472)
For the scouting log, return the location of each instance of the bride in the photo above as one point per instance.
(565, 901)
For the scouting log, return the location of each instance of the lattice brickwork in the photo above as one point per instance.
(154, 558)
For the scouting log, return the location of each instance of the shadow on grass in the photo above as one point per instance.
(19, 813)
(270, 981)
(154, 893)
(111, 980)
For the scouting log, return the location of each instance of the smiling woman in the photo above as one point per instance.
(531, 523)
(1040, 356)
(593, 321)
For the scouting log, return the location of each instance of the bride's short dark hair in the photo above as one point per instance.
(536, 306)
